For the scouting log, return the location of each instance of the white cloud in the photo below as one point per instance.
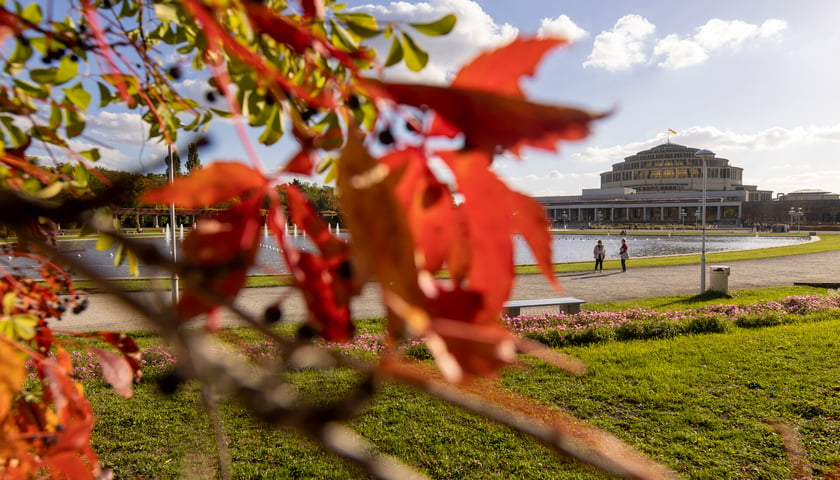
(475, 31)
(124, 128)
(561, 27)
(622, 47)
(679, 52)
(715, 35)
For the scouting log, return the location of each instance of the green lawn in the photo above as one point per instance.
(699, 404)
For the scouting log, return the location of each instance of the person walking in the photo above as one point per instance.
(600, 252)
(623, 254)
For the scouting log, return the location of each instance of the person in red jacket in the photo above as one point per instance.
(622, 252)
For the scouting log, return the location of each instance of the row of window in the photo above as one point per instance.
(615, 177)
(643, 162)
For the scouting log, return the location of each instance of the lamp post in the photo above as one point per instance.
(682, 216)
(798, 213)
(565, 217)
(704, 155)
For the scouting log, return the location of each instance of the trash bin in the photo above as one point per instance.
(719, 278)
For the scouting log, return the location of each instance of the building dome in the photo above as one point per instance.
(671, 168)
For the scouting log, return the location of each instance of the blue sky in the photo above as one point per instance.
(755, 81)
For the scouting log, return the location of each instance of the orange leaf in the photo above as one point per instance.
(382, 240)
(210, 185)
(12, 374)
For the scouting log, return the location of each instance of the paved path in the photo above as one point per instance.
(107, 313)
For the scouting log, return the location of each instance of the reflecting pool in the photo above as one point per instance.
(565, 248)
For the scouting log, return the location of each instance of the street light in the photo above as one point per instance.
(798, 213)
(565, 217)
(682, 216)
(704, 155)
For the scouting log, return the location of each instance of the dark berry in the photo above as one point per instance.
(353, 102)
(169, 382)
(210, 96)
(307, 114)
(307, 332)
(273, 314)
(386, 137)
(345, 270)
(175, 72)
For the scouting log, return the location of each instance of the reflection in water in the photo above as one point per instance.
(565, 248)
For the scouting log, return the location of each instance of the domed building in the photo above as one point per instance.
(671, 168)
(661, 185)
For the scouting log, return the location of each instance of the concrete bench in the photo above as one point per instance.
(566, 304)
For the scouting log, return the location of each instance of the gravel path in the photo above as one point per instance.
(107, 313)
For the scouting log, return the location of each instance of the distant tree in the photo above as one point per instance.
(193, 161)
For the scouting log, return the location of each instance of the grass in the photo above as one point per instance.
(698, 403)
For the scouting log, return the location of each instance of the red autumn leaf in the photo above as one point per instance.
(313, 9)
(303, 162)
(492, 213)
(127, 347)
(492, 122)
(428, 206)
(115, 370)
(316, 228)
(327, 292)
(519, 58)
(218, 253)
(296, 35)
(209, 185)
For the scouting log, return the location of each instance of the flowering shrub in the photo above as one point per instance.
(558, 330)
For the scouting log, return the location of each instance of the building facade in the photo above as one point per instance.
(664, 184)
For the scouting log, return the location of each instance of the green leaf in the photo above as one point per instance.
(361, 25)
(55, 117)
(49, 191)
(438, 27)
(75, 123)
(67, 70)
(43, 75)
(93, 154)
(32, 13)
(37, 91)
(395, 55)
(78, 96)
(342, 37)
(415, 57)
(81, 174)
(21, 53)
(17, 135)
(273, 128)
(105, 97)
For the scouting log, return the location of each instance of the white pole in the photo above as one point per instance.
(172, 230)
(703, 154)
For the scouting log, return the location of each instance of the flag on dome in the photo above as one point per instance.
(671, 131)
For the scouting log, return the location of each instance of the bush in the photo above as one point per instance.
(707, 324)
(648, 329)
